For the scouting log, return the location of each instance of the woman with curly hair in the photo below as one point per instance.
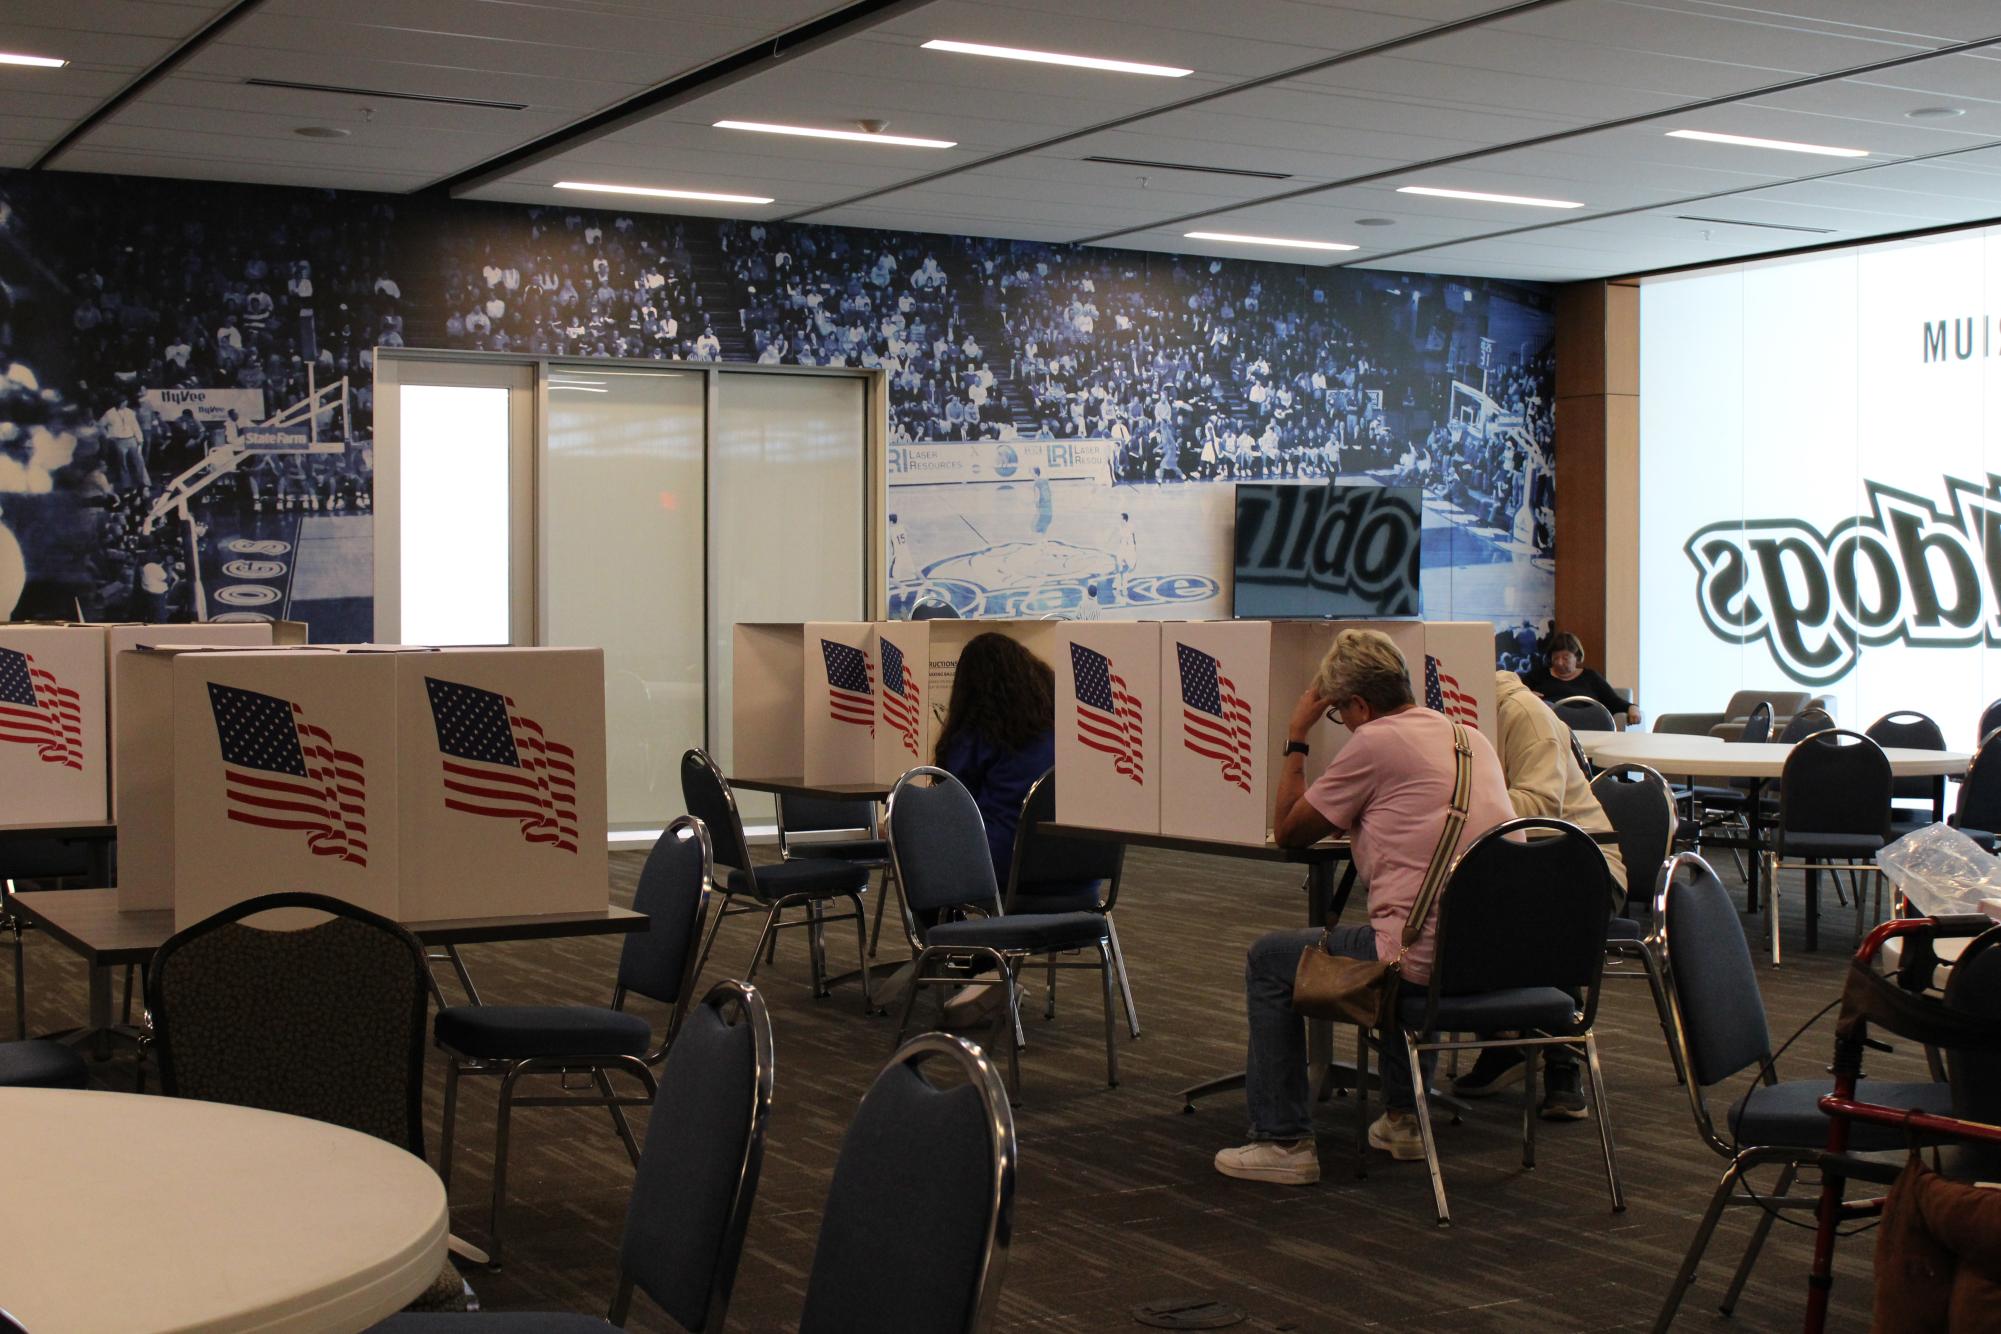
(999, 734)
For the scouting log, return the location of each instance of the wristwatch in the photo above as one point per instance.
(1297, 748)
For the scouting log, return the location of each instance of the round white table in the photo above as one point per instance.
(1676, 754)
(125, 1212)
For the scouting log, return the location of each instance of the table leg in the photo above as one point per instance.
(1754, 827)
(100, 1013)
(1320, 1032)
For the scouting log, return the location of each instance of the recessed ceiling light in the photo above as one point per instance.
(1057, 58)
(655, 192)
(322, 132)
(1240, 239)
(39, 62)
(1483, 197)
(1783, 145)
(850, 136)
(1375, 222)
(1935, 113)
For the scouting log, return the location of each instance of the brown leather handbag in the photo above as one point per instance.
(1364, 991)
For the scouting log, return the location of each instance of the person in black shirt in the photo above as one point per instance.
(1565, 675)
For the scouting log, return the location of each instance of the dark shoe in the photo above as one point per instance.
(1563, 1097)
(1498, 1068)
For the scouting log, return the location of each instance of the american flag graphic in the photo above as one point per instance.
(1108, 717)
(1215, 719)
(37, 710)
(850, 689)
(498, 763)
(1442, 692)
(282, 772)
(900, 696)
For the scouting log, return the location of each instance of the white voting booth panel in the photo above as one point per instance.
(836, 688)
(53, 760)
(905, 724)
(948, 639)
(243, 773)
(1456, 673)
(124, 638)
(500, 782)
(767, 725)
(1109, 728)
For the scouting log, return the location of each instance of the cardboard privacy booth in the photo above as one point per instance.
(500, 782)
(215, 634)
(767, 724)
(1456, 675)
(53, 762)
(245, 772)
(837, 696)
(1109, 727)
(906, 723)
(942, 642)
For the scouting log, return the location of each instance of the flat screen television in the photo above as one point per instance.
(1312, 550)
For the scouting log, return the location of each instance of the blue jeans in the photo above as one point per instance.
(1275, 1088)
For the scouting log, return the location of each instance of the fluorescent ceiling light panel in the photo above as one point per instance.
(39, 62)
(653, 192)
(1057, 58)
(1484, 197)
(849, 136)
(1240, 239)
(1783, 145)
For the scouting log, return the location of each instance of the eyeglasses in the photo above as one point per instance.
(1336, 710)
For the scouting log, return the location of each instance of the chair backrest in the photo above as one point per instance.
(709, 799)
(673, 892)
(1804, 724)
(1834, 782)
(1974, 984)
(1783, 702)
(1581, 713)
(1042, 858)
(916, 1228)
(821, 815)
(938, 847)
(697, 1175)
(327, 1021)
(1528, 913)
(1757, 723)
(1980, 792)
(1577, 753)
(933, 609)
(1640, 806)
(1720, 1012)
(1990, 718)
(1907, 729)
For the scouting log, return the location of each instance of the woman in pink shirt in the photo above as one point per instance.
(1388, 790)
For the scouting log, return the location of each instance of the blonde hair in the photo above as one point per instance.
(1366, 663)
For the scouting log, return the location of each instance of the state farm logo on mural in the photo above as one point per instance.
(1909, 572)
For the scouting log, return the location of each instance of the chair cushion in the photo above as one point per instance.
(1624, 928)
(821, 877)
(1836, 846)
(491, 1322)
(1057, 898)
(516, 1032)
(1022, 931)
(41, 1064)
(1544, 1008)
(1787, 1114)
(874, 850)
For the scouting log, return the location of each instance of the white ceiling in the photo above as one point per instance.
(1563, 98)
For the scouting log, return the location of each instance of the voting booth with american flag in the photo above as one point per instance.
(53, 758)
(1109, 725)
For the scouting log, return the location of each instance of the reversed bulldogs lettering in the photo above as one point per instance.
(1909, 572)
(1353, 539)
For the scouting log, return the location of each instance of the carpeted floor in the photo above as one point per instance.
(1118, 1204)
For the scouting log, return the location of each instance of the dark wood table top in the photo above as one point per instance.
(1332, 850)
(794, 786)
(89, 922)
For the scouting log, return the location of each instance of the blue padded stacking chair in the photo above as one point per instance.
(37, 1063)
(938, 844)
(1907, 729)
(1051, 873)
(1641, 807)
(697, 1180)
(1722, 1031)
(915, 1233)
(798, 882)
(1834, 813)
(512, 1041)
(1581, 713)
(1521, 932)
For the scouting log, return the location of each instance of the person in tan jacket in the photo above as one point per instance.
(1543, 779)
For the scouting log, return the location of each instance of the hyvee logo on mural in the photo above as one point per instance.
(1909, 572)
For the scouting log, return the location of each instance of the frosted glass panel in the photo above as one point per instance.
(788, 513)
(455, 567)
(621, 535)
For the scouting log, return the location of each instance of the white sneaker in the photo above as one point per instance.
(1396, 1134)
(1267, 1160)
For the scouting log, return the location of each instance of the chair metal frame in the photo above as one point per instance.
(1415, 1045)
(1557, 706)
(1649, 951)
(774, 909)
(1023, 832)
(871, 831)
(598, 1067)
(965, 962)
(751, 1007)
(1774, 863)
